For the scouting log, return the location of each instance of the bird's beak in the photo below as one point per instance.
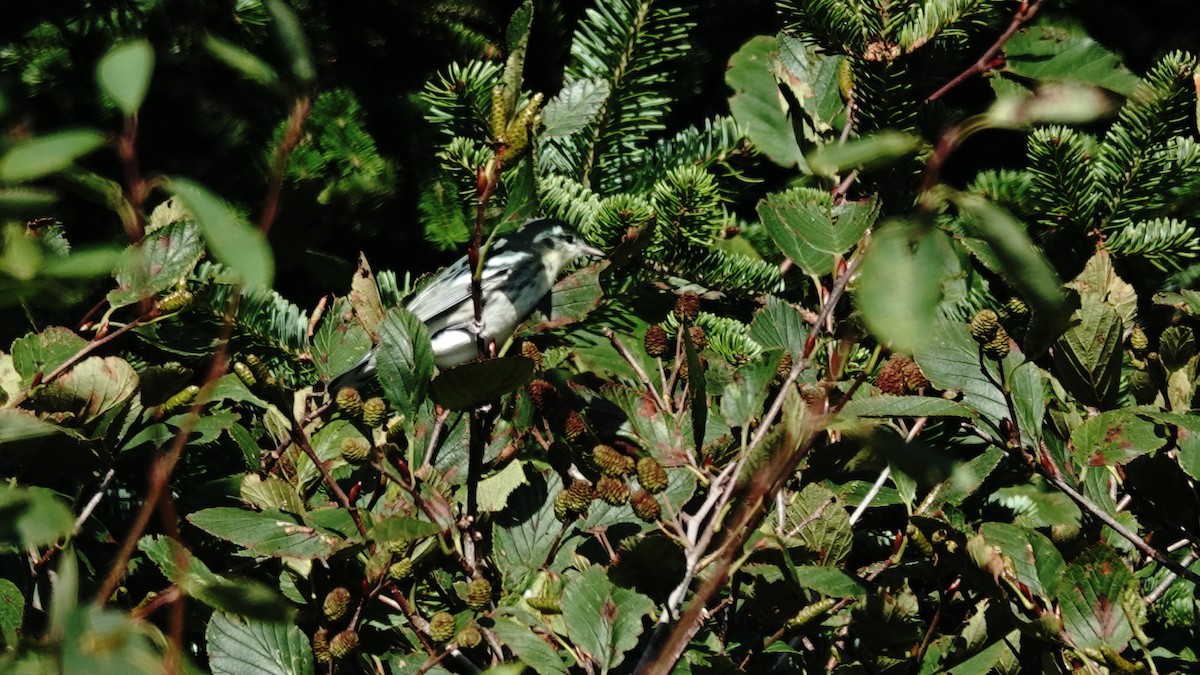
(591, 251)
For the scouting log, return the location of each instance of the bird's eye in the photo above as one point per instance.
(569, 239)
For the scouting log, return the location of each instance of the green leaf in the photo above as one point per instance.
(905, 406)
(33, 517)
(271, 492)
(1115, 437)
(878, 150)
(1036, 562)
(291, 35)
(743, 398)
(829, 581)
(575, 296)
(495, 489)
(816, 524)
(1052, 52)
(397, 529)
(526, 531)
(1091, 598)
(405, 359)
(811, 229)
(250, 66)
(901, 283)
(270, 532)
(231, 240)
(12, 611)
(244, 597)
(240, 647)
(157, 263)
(90, 388)
(757, 105)
(124, 74)
(337, 345)
(1022, 264)
(477, 383)
(574, 108)
(532, 650)
(25, 201)
(23, 425)
(1088, 354)
(43, 155)
(603, 620)
(812, 76)
(1054, 104)
(779, 324)
(43, 352)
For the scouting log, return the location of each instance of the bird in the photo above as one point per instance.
(518, 272)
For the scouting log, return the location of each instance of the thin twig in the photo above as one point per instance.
(291, 138)
(637, 367)
(1159, 590)
(885, 474)
(301, 440)
(76, 358)
(985, 62)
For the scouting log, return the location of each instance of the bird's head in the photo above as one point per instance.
(557, 243)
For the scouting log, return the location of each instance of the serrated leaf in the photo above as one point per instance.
(905, 406)
(1099, 279)
(575, 296)
(237, 646)
(532, 650)
(494, 490)
(743, 398)
(12, 611)
(90, 388)
(1036, 562)
(124, 74)
(1088, 354)
(812, 77)
(1091, 600)
(43, 155)
(878, 150)
(574, 108)
(1059, 52)
(1114, 437)
(811, 229)
(327, 444)
(829, 581)
(270, 532)
(399, 529)
(603, 620)
(43, 352)
(405, 359)
(232, 241)
(270, 493)
(757, 105)
(32, 517)
(159, 262)
(245, 597)
(526, 530)
(1177, 346)
(337, 345)
(901, 282)
(477, 383)
(779, 324)
(816, 523)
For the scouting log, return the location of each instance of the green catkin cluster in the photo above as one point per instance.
(350, 403)
(986, 330)
(546, 604)
(645, 506)
(612, 490)
(401, 569)
(468, 637)
(336, 603)
(321, 646)
(374, 412)
(441, 627)
(574, 500)
(651, 475)
(479, 594)
(343, 643)
(355, 449)
(610, 462)
(181, 400)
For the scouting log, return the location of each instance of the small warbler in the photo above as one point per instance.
(518, 271)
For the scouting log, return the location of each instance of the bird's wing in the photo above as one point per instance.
(449, 292)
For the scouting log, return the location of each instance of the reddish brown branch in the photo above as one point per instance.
(986, 62)
(135, 184)
(291, 138)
